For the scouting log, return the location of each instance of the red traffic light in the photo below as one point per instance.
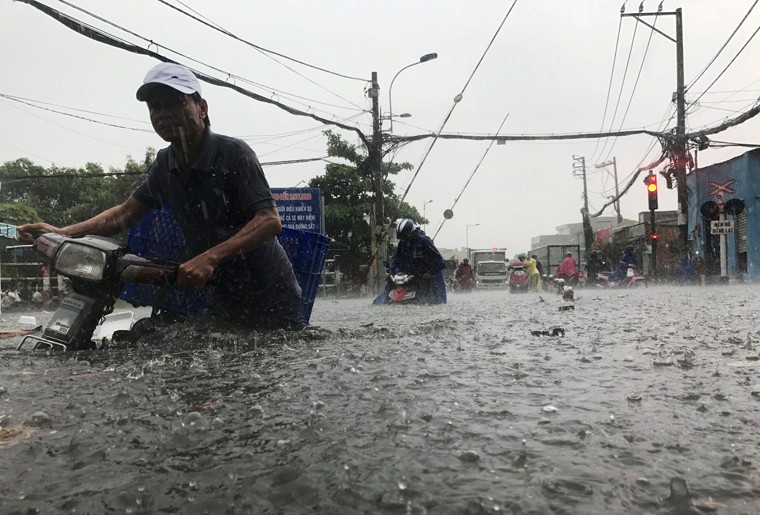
(655, 236)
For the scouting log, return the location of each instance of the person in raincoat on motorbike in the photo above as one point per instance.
(417, 255)
(626, 260)
(465, 276)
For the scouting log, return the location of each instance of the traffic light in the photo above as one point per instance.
(651, 183)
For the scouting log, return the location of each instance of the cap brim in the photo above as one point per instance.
(144, 91)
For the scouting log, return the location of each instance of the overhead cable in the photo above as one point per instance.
(622, 85)
(477, 166)
(257, 47)
(609, 87)
(729, 64)
(457, 98)
(229, 75)
(127, 174)
(693, 81)
(20, 101)
(633, 90)
(266, 53)
(100, 36)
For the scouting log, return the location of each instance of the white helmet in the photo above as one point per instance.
(405, 227)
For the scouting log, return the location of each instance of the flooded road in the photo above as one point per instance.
(649, 403)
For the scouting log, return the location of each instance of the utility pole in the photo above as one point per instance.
(683, 194)
(375, 159)
(579, 168)
(617, 188)
(679, 149)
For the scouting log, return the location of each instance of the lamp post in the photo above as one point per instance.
(467, 237)
(424, 204)
(425, 58)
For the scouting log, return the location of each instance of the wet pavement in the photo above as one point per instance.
(647, 401)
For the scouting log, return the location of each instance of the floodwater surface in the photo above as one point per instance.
(646, 401)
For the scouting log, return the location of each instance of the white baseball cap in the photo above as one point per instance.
(173, 75)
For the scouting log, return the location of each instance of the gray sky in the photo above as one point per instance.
(549, 68)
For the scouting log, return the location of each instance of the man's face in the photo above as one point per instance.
(174, 115)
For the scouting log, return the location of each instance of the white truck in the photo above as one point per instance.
(490, 267)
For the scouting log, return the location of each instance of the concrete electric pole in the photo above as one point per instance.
(679, 149)
(617, 188)
(579, 168)
(375, 160)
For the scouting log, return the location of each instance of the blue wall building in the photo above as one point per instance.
(735, 184)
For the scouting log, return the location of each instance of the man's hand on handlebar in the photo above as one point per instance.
(194, 274)
(27, 233)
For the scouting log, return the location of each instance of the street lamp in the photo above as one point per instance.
(425, 203)
(425, 58)
(467, 237)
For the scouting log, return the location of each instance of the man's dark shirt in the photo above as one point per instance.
(212, 201)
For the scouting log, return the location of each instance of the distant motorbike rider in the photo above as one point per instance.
(568, 269)
(417, 255)
(626, 260)
(465, 276)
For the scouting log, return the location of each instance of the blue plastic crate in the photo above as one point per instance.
(158, 236)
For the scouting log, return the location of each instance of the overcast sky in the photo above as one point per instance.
(549, 68)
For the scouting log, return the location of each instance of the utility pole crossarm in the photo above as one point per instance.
(638, 18)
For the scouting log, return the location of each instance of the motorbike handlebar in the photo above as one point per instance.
(136, 269)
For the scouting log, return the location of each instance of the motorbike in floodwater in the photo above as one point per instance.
(632, 279)
(404, 289)
(97, 267)
(518, 276)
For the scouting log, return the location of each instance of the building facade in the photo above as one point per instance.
(726, 192)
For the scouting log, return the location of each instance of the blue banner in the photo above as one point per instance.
(300, 208)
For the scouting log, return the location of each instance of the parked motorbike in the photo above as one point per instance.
(97, 268)
(404, 290)
(631, 280)
(518, 276)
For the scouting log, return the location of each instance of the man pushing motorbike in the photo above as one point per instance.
(216, 188)
(417, 255)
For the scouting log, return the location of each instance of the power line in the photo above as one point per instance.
(69, 128)
(102, 37)
(152, 43)
(722, 48)
(257, 47)
(17, 99)
(609, 87)
(453, 205)
(635, 84)
(622, 84)
(730, 63)
(457, 98)
(265, 52)
(129, 174)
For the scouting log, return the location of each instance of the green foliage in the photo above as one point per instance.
(348, 193)
(63, 196)
(17, 214)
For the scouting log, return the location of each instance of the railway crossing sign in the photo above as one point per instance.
(719, 188)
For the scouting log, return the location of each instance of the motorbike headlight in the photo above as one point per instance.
(48, 244)
(81, 261)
